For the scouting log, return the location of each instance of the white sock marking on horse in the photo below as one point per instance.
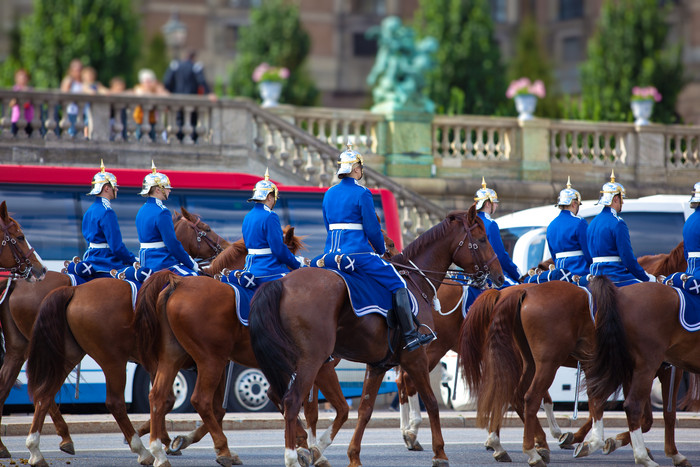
(32, 444)
(533, 456)
(415, 416)
(156, 448)
(290, 458)
(137, 447)
(596, 437)
(325, 439)
(678, 458)
(552, 420)
(311, 441)
(640, 450)
(403, 411)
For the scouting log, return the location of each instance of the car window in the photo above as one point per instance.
(652, 233)
(512, 234)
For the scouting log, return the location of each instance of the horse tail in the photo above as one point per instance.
(472, 338)
(47, 346)
(611, 364)
(274, 349)
(502, 364)
(146, 323)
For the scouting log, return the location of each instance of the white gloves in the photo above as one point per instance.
(303, 261)
(196, 268)
(652, 278)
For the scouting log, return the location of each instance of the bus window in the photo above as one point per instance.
(654, 232)
(49, 220)
(223, 211)
(304, 213)
(126, 206)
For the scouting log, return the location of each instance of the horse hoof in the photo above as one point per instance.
(441, 463)
(5, 453)
(582, 450)
(170, 452)
(683, 463)
(228, 461)
(315, 454)
(566, 441)
(304, 456)
(68, 448)
(148, 460)
(179, 443)
(502, 457)
(411, 441)
(544, 454)
(539, 463)
(41, 463)
(651, 456)
(610, 446)
(322, 462)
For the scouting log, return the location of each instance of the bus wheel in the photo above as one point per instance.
(248, 392)
(182, 387)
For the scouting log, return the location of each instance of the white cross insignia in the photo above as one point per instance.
(351, 264)
(87, 269)
(695, 288)
(250, 282)
(146, 275)
(565, 275)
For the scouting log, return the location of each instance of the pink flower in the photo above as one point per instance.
(645, 93)
(284, 73)
(537, 89)
(265, 72)
(260, 71)
(524, 86)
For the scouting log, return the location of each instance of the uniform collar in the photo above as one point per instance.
(486, 215)
(104, 201)
(262, 206)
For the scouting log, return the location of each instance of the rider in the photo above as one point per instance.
(609, 240)
(566, 234)
(486, 204)
(160, 248)
(106, 249)
(691, 239)
(353, 228)
(268, 257)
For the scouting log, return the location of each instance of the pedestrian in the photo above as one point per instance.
(72, 83)
(117, 85)
(27, 109)
(148, 85)
(88, 78)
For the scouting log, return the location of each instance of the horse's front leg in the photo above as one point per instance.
(370, 389)
(668, 377)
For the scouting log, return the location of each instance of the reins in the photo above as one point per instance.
(23, 267)
(202, 235)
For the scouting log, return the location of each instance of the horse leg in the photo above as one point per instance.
(61, 429)
(640, 388)
(157, 398)
(311, 416)
(493, 443)
(548, 407)
(533, 432)
(292, 403)
(410, 434)
(209, 378)
(14, 358)
(370, 389)
(327, 381)
(670, 448)
(568, 440)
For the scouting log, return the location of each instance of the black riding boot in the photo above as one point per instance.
(402, 307)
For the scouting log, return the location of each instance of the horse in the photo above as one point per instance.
(174, 329)
(93, 318)
(298, 321)
(550, 325)
(642, 319)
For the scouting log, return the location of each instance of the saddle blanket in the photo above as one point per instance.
(243, 297)
(550, 275)
(689, 297)
(369, 296)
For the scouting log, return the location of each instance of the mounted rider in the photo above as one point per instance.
(106, 250)
(691, 239)
(566, 234)
(268, 257)
(486, 204)
(353, 229)
(609, 240)
(160, 248)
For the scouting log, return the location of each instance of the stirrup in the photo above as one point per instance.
(418, 340)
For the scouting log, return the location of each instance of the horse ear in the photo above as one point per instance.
(176, 216)
(471, 214)
(288, 234)
(186, 214)
(3, 211)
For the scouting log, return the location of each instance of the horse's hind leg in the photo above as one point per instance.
(61, 429)
(14, 358)
(670, 448)
(327, 381)
(157, 398)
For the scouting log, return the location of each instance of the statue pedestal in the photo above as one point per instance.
(407, 145)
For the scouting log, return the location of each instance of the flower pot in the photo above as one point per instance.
(270, 92)
(525, 104)
(642, 111)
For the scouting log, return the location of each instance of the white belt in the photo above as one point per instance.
(99, 245)
(345, 227)
(606, 259)
(569, 254)
(259, 251)
(694, 254)
(147, 246)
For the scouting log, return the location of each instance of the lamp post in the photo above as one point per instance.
(175, 32)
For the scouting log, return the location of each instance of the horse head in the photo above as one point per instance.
(16, 255)
(293, 242)
(201, 241)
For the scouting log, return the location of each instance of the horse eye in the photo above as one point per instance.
(20, 238)
(482, 240)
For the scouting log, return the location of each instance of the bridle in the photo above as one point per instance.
(480, 273)
(201, 235)
(23, 265)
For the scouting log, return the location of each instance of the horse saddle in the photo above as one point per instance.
(79, 268)
(343, 263)
(132, 273)
(683, 281)
(239, 277)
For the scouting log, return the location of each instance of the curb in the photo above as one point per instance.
(18, 425)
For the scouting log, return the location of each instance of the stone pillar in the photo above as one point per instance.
(407, 143)
(534, 145)
(650, 165)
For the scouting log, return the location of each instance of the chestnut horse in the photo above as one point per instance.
(637, 330)
(94, 318)
(298, 321)
(174, 329)
(533, 315)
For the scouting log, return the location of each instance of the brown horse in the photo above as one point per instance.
(636, 332)
(174, 330)
(298, 321)
(93, 318)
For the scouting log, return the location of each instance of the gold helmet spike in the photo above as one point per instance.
(568, 181)
(612, 176)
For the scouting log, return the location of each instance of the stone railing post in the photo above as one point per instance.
(405, 140)
(650, 154)
(100, 124)
(534, 148)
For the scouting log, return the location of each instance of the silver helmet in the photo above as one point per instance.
(568, 195)
(154, 179)
(347, 159)
(695, 196)
(483, 194)
(263, 188)
(100, 179)
(609, 190)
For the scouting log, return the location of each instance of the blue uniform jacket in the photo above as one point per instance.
(494, 235)
(565, 233)
(608, 235)
(154, 223)
(691, 241)
(262, 229)
(100, 226)
(351, 203)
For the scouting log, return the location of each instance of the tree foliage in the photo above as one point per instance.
(531, 61)
(104, 34)
(470, 77)
(630, 49)
(155, 56)
(275, 36)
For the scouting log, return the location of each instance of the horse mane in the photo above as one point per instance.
(673, 262)
(235, 250)
(429, 236)
(293, 242)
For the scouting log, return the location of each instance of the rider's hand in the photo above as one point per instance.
(196, 268)
(303, 261)
(652, 278)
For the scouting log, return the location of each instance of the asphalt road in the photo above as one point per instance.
(381, 447)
